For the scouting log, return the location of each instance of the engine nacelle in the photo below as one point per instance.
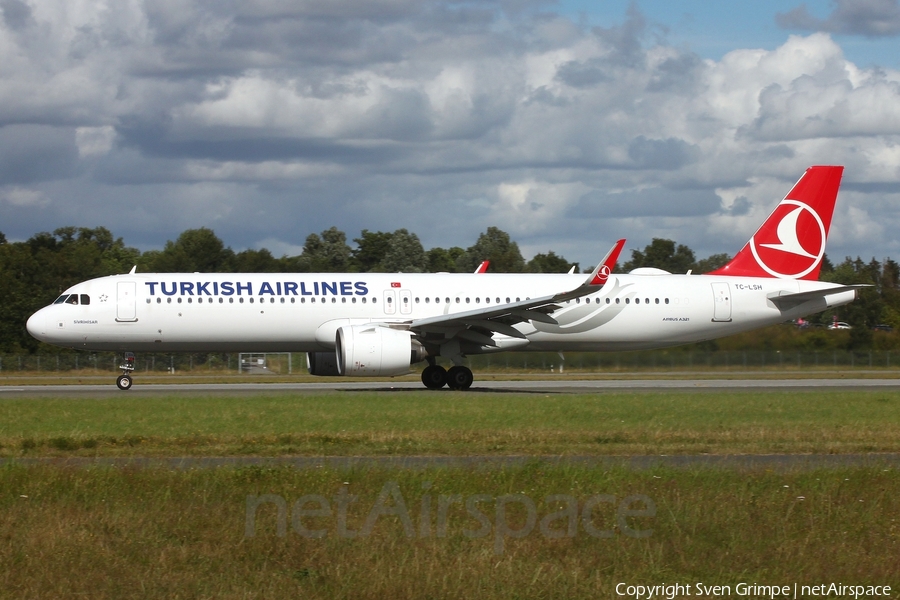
(374, 350)
(322, 363)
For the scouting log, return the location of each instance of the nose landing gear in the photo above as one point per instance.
(124, 380)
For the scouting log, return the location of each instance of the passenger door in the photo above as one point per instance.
(126, 301)
(722, 307)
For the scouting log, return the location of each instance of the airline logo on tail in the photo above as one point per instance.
(791, 242)
(786, 255)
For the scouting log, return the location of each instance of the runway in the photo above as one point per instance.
(507, 386)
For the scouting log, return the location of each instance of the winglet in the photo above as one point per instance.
(482, 268)
(604, 269)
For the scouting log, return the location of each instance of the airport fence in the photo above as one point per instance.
(285, 363)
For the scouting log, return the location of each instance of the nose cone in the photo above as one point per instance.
(36, 325)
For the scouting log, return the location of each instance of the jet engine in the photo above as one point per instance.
(375, 350)
(322, 363)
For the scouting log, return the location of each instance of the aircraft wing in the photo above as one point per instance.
(787, 301)
(481, 324)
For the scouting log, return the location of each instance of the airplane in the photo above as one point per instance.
(380, 324)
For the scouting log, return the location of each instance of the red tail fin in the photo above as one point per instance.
(791, 242)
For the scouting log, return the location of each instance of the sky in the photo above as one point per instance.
(567, 124)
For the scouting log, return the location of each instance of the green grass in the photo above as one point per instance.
(131, 532)
(120, 533)
(414, 422)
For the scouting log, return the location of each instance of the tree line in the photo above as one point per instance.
(34, 272)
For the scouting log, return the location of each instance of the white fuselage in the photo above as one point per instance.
(275, 312)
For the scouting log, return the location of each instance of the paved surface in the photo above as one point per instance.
(534, 386)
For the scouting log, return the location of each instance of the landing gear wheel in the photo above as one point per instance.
(124, 382)
(459, 378)
(434, 377)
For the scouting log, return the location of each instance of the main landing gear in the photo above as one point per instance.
(457, 378)
(124, 380)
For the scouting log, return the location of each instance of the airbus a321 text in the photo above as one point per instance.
(371, 324)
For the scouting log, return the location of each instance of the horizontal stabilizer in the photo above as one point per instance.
(785, 301)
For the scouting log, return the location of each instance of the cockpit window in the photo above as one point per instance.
(73, 299)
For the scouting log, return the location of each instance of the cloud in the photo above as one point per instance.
(35, 153)
(93, 141)
(651, 202)
(24, 197)
(271, 119)
(16, 14)
(871, 18)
